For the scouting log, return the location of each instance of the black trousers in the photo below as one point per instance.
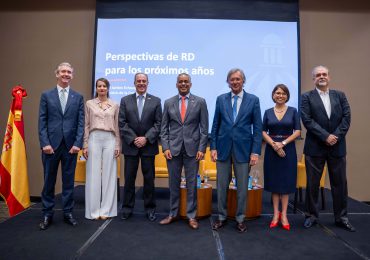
(338, 184)
(131, 167)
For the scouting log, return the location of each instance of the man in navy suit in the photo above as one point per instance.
(139, 121)
(327, 116)
(61, 128)
(236, 140)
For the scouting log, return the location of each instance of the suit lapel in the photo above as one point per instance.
(57, 100)
(147, 103)
(189, 108)
(333, 101)
(175, 107)
(229, 108)
(243, 106)
(134, 105)
(70, 98)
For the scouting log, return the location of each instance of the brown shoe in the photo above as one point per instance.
(218, 224)
(167, 220)
(241, 227)
(193, 223)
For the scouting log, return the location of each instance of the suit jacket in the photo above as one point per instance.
(130, 126)
(242, 137)
(54, 126)
(193, 132)
(319, 126)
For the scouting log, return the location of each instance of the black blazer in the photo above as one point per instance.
(131, 127)
(319, 126)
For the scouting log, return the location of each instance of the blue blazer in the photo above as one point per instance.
(319, 126)
(242, 137)
(54, 126)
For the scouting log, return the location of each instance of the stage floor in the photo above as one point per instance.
(137, 238)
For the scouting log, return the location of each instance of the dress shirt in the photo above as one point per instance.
(186, 101)
(324, 95)
(98, 118)
(240, 99)
(137, 99)
(66, 93)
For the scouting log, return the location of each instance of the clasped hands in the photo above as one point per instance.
(331, 140)
(278, 148)
(140, 141)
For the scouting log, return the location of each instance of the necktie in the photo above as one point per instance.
(62, 98)
(235, 105)
(183, 108)
(140, 105)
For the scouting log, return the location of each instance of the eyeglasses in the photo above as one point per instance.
(318, 75)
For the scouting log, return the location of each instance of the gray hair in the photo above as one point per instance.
(141, 73)
(67, 64)
(183, 74)
(319, 67)
(232, 71)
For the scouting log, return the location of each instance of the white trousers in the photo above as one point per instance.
(101, 176)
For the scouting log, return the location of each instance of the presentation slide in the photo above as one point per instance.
(206, 49)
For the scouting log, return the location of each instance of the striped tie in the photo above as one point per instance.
(62, 99)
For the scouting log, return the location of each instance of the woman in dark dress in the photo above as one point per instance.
(281, 126)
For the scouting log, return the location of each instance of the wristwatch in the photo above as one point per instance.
(284, 143)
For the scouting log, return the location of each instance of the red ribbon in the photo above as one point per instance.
(18, 94)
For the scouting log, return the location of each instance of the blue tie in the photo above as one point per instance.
(235, 105)
(140, 105)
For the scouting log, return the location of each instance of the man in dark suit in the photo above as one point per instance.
(184, 137)
(236, 139)
(326, 115)
(139, 122)
(61, 128)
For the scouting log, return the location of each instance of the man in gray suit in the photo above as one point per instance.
(184, 134)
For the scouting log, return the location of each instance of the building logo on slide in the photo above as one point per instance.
(273, 47)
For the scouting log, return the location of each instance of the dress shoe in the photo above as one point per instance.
(193, 223)
(168, 220)
(126, 215)
(309, 222)
(151, 215)
(346, 225)
(241, 227)
(286, 226)
(274, 224)
(69, 219)
(218, 224)
(46, 222)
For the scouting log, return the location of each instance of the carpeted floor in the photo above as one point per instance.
(137, 238)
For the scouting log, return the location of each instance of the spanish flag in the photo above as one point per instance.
(13, 165)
